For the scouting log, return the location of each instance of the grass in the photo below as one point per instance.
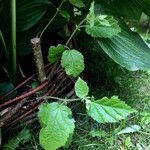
(134, 89)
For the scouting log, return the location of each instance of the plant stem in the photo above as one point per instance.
(74, 32)
(52, 19)
(13, 61)
(59, 99)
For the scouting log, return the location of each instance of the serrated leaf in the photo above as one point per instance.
(77, 3)
(73, 62)
(22, 136)
(55, 53)
(129, 53)
(81, 88)
(57, 123)
(130, 129)
(108, 110)
(101, 25)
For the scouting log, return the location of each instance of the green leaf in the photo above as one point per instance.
(23, 136)
(55, 53)
(77, 3)
(145, 117)
(128, 50)
(101, 25)
(145, 5)
(73, 62)
(57, 123)
(97, 133)
(127, 9)
(130, 129)
(108, 110)
(81, 88)
(65, 14)
(29, 12)
(4, 88)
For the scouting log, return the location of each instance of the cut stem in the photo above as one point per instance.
(38, 58)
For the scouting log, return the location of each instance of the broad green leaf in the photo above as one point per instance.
(108, 110)
(129, 9)
(81, 88)
(23, 136)
(55, 53)
(128, 50)
(29, 12)
(57, 123)
(130, 129)
(73, 62)
(77, 3)
(101, 25)
(145, 5)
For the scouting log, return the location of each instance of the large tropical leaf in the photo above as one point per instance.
(58, 125)
(128, 50)
(127, 8)
(145, 5)
(29, 12)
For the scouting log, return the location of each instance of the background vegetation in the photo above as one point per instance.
(106, 43)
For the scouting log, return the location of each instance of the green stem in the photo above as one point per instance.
(52, 19)
(74, 32)
(59, 99)
(13, 41)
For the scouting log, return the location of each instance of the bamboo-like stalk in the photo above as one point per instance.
(12, 54)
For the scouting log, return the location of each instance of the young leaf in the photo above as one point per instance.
(77, 3)
(108, 110)
(65, 14)
(23, 136)
(57, 123)
(81, 88)
(55, 53)
(101, 25)
(73, 62)
(130, 129)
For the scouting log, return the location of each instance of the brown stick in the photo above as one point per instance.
(13, 111)
(28, 93)
(38, 58)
